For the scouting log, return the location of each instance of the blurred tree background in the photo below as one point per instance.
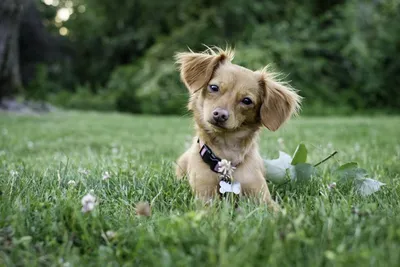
(343, 56)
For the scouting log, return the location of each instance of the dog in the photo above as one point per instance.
(230, 105)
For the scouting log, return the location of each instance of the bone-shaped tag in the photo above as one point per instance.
(228, 187)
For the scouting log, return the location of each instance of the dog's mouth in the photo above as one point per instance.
(220, 126)
(217, 125)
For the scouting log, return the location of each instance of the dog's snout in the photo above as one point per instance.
(220, 115)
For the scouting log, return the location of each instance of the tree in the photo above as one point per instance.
(10, 14)
(39, 49)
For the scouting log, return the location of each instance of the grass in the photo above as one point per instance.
(41, 222)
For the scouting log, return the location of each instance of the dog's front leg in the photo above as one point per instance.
(254, 185)
(181, 167)
(203, 182)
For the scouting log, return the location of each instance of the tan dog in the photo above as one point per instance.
(230, 105)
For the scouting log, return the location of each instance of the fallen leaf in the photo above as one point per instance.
(348, 165)
(276, 168)
(143, 209)
(304, 171)
(367, 186)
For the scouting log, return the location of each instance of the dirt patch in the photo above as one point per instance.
(25, 107)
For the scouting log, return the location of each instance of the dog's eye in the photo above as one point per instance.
(213, 88)
(247, 101)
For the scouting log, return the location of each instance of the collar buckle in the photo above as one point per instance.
(209, 158)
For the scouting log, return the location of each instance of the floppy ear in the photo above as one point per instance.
(279, 104)
(197, 68)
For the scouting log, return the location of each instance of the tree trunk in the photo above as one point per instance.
(10, 15)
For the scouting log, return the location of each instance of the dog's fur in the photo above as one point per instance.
(274, 102)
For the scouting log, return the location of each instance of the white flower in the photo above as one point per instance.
(83, 171)
(355, 210)
(106, 175)
(225, 168)
(367, 186)
(71, 182)
(276, 168)
(13, 173)
(330, 145)
(332, 186)
(88, 203)
(110, 234)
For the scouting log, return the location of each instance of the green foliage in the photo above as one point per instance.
(41, 222)
(342, 56)
(304, 171)
(297, 170)
(300, 155)
(145, 90)
(41, 86)
(84, 99)
(123, 84)
(162, 93)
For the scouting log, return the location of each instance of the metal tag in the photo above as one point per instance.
(228, 187)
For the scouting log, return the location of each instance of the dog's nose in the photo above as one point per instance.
(220, 115)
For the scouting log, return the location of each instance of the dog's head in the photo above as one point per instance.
(227, 97)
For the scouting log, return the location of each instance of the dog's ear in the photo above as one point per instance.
(196, 69)
(280, 101)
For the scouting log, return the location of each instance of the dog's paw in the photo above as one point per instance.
(274, 207)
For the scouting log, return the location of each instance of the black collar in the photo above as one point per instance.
(209, 157)
(212, 160)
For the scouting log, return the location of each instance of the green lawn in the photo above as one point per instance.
(41, 222)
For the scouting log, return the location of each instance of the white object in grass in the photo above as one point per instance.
(225, 168)
(106, 175)
(277, 168)
(88, 203)
(227, 187)
(83, 171)
(367, 186)
(71, 182)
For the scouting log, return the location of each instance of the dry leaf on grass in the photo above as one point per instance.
(143, 209)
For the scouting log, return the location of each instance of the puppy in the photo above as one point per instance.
(230, 104)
